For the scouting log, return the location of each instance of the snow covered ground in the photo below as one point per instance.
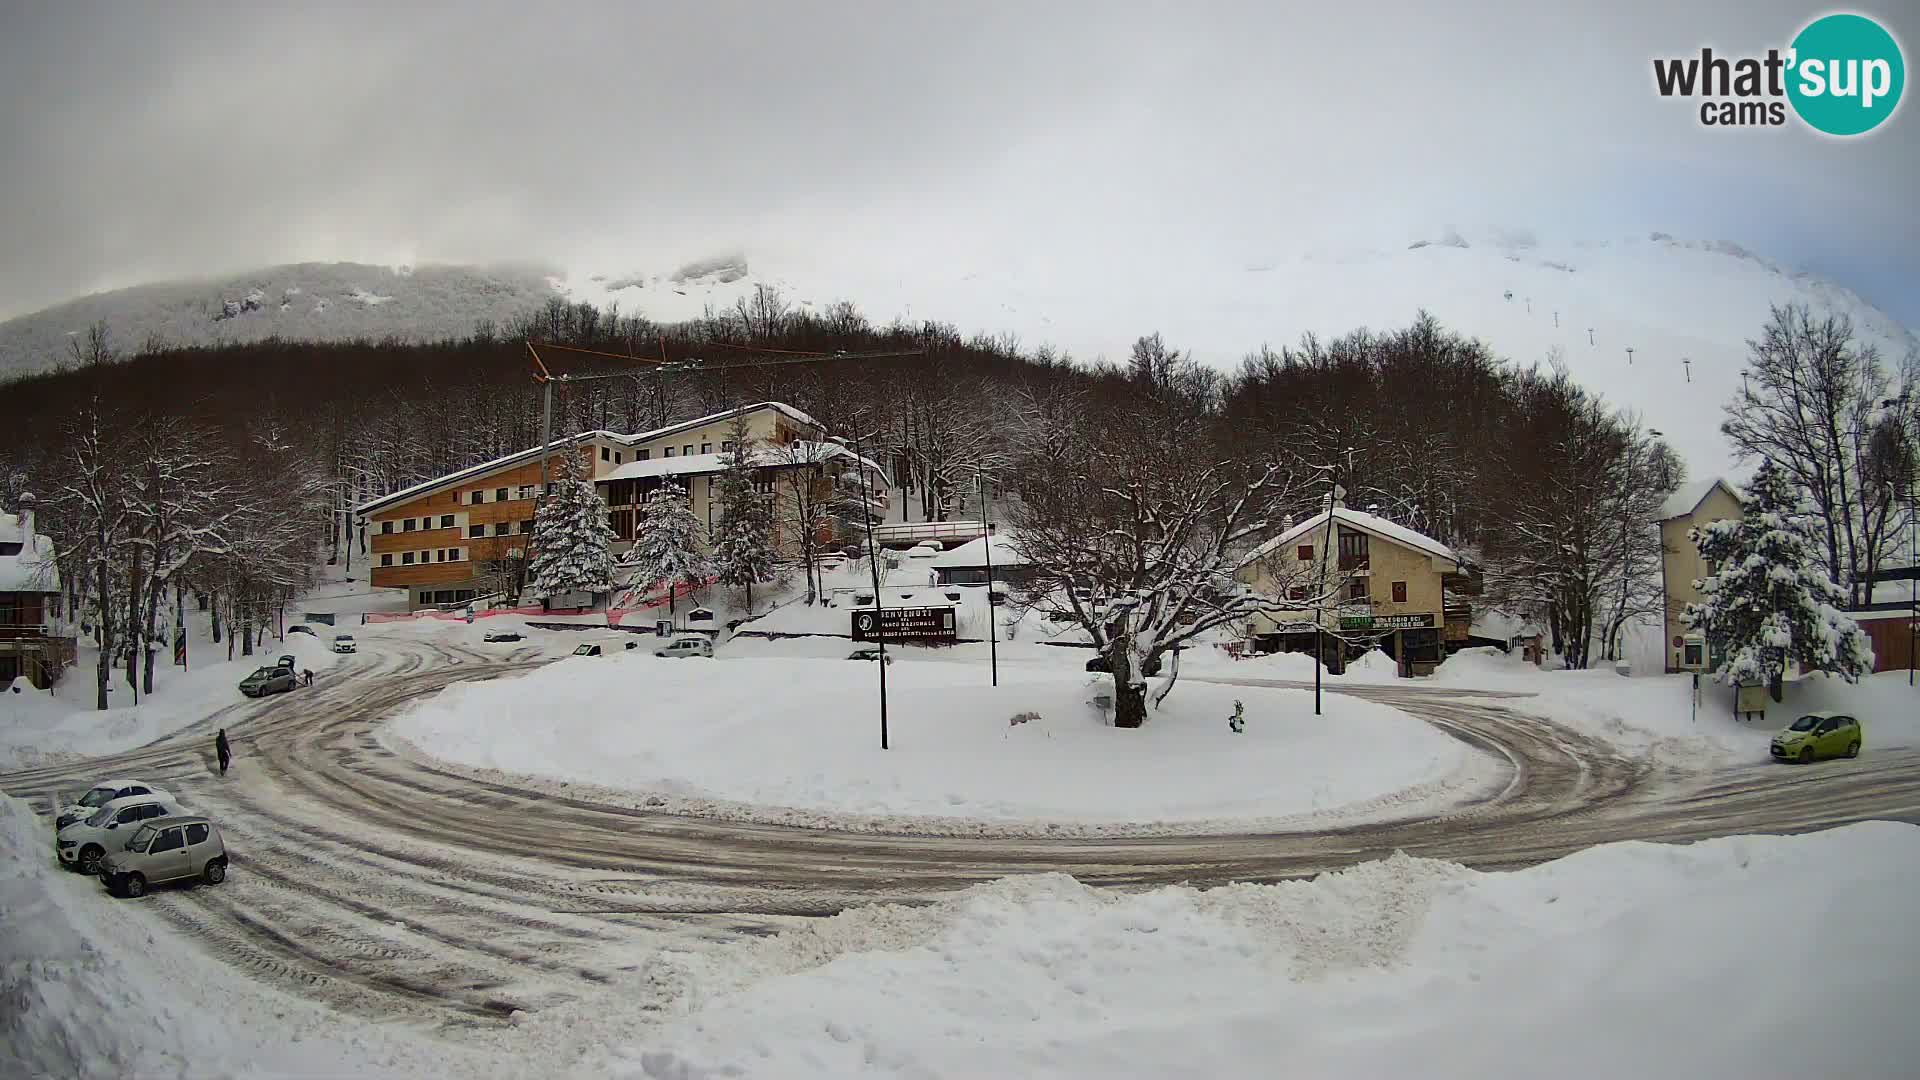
(1738, 957)
(40, 726)
(1656, 715)
(795, 739)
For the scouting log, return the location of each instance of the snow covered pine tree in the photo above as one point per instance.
(743, 538)
(666, 550)
(571, 538)
(1769, 600)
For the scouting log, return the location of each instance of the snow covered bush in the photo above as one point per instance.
(1769, 599)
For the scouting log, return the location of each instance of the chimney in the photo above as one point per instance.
(28, 543)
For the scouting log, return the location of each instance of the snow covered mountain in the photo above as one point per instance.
(301, 301)
(1684, 308)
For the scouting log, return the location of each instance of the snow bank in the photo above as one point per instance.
(1741, 957)
(797, 741)
(1655, 714)
(63, 724)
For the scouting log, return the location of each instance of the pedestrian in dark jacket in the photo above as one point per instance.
(224, 751)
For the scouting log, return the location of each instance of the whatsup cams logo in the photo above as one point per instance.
(1842, 75)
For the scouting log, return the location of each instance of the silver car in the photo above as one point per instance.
(171, 849)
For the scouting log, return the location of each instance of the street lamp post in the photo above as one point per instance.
(986, 544)
(873, 560)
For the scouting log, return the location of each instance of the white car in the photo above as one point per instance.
(100, 795)
(686, 646)
(343, 643)
(82, 844)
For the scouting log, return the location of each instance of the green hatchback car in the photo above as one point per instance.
(1818, 735)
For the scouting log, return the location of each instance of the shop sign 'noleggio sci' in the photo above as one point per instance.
(1843, 75)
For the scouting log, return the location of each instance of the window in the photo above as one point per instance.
(1353, 550)
(131, 813)
(526, 526)
(446, 521)
(1298, 592)
(642, 455)
(386, 526)
(527, 491)
(196, 834)
(726, 446)
(616, 457)
(687, 450)
(479, 497)
(1304, 553)
(407, 525)
(500, 528)
(669, 451)
(406, 558)
(606, 454)
(763, 483)
(500, 495)
(1357, 589)
(706, 448)
(1399, 592)
(167, 841)
(386, 560)
(476, 530)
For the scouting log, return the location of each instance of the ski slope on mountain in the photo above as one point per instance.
(1686, 309)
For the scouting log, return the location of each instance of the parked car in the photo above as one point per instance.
(586, 650)
(175, 849)
(1818, 735)
(870, 652)
(269, 680)
(100, 795)
(82, 844)
(301, 628)
(501, 635)
(343, 643)
(686, 646)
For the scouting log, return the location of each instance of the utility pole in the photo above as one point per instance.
(1629, 356)
(986, 544)
(873, 561)
(1320, 601)
(1688, 365)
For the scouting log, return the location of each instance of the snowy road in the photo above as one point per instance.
(388, 888)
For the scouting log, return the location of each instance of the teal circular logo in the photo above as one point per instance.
(1846, 74)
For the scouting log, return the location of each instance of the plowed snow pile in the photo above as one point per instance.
(1735, 958)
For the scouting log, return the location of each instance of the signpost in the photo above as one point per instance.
(903, 624)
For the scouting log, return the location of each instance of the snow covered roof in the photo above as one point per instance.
(1365, 522)
(1005, 551)
(32, 568)
(766, 457)
(485, 467)
(1688, 497)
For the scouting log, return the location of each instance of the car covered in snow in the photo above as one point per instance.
(870, 652)
(501, 635)
(586, 650)
(685, 646)
(1817, 735)
(301, 628)
(82, 844)
(344, 643)
(100, 795)
(171, 849)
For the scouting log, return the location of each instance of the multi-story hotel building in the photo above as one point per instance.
(444, 540)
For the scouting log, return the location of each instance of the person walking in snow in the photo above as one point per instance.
(222, 750)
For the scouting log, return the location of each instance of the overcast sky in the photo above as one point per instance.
(140, 141)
